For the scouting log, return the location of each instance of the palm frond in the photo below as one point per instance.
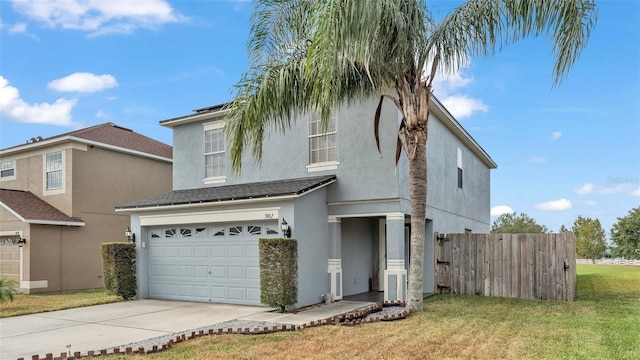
(315, 55)
(483, 27)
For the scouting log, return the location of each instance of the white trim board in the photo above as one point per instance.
(272, 213)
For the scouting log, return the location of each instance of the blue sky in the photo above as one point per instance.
(561, 152)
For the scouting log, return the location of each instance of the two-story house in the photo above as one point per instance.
(57, 200)
(348, 208)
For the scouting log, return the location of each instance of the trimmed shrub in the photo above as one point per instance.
(119, 269)
(278, 272)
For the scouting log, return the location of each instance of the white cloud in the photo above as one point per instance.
(538, 159)
(635, 192)
(462, 106)
(12, 106)
(101, 114)
(589, 188)
(447, 89)
(585, 189)
(555, 205)
(83, 82)
(613, 190)
(501, 209)
(448, 83)
(99, 17)
(590, 203)
(18, 28)
(556, 135)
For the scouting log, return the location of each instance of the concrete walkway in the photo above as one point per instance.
(99, 327)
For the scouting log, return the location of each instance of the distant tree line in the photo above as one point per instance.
(590, 236)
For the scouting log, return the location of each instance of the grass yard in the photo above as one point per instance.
(37, 303)
(603, 323)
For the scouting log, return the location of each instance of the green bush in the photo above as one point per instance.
(119, 269)
(7, 289)
(278, 272)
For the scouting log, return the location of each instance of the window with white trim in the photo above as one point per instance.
(322, 141)
(214, 151)
(54, 170)
(459, 161)
(8, 169)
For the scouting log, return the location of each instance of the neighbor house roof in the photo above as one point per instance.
(31, 209)
(107, 135)
(251, 191)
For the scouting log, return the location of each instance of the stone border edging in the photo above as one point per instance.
(367, 314)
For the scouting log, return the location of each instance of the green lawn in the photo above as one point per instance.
(30, 304)
(603, 323)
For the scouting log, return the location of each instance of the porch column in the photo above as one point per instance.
(335, 257)
(395, 284)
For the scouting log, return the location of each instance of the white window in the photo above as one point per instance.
(54, 171)
(214, 153)
(322, 143)
(459, 161)
(8, 169)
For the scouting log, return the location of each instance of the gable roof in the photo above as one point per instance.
(107, 135)
(32, 210)
(251, 191)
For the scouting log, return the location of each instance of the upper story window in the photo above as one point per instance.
(459, 161)
(322, 143)
(214, 153)
(7, 170)
(53, 171)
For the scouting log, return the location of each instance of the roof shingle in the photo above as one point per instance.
(33, 209)
(112, 134)
(257, 190)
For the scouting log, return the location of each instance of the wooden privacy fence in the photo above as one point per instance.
(526, 266)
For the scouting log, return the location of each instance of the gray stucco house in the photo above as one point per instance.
(348, 207)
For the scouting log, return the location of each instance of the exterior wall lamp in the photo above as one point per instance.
(286, 229)
(19, 241)
(131, 237)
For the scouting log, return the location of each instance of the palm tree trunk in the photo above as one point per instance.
(418, 196)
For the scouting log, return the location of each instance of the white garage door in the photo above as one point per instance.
(9, 259)
(210, 263)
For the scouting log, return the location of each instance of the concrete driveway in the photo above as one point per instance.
(98, 327)
(110, 325)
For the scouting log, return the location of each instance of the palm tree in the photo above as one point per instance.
(317, 54)
(7, 289)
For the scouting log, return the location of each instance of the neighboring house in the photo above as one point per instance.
(347, 206)
(57, 200)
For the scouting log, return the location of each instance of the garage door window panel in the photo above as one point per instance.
(272, 231)
(218, 231)
(235, 230)
(254, 230)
